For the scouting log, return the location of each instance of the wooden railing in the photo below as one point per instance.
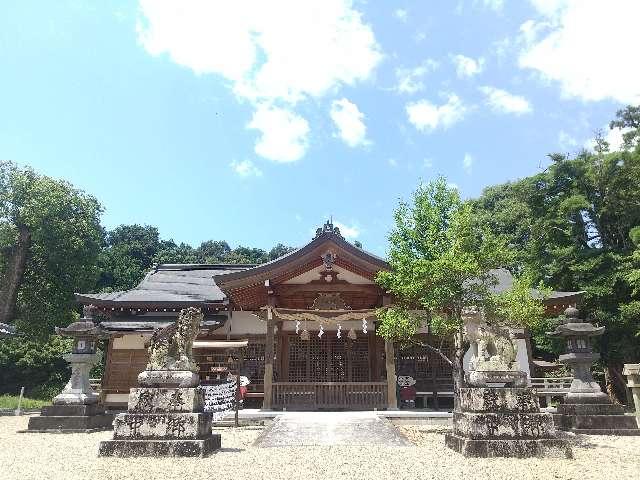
(329, 395)
(549, 385)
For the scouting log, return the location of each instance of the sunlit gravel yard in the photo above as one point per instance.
(74, 456)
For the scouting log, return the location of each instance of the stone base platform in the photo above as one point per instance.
(504, 422)
(70, 419)
(159, 448)
(162, 422)
(595, 419)
(522, 448)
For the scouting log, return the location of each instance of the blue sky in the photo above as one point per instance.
(255, 121)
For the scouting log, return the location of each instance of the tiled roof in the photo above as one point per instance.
(170, 284)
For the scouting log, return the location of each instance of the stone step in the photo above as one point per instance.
(162, 425)
(73, 410)
(519, 448)
(159, 448)
(598, 422)
(623, 432)
(70, 424)
(590, 409)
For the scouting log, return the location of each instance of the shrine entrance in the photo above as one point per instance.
(318, 305)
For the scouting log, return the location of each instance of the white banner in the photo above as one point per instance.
(220, 399)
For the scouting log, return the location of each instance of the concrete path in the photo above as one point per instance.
(298, 429)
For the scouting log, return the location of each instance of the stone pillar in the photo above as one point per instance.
(389, 351)
(632, 371)
(78, 391)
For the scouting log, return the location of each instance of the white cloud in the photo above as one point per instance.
(612, 136)
(587, 46)
(410, 79)
(246, 168)
(267, 52)
(284, 134)
(467, 163)
(401, 14)
(350, 122)
(502, 101)
(495, 5)
(349, 232)
(392, 162)
(426, 116)
(285, 49)
(566, 141)
(420, 37)
(467, 66)
(427, 162)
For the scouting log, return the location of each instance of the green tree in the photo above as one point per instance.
(50, 238)
(574, 227)
(628, 118)
(128, 254)
(441, 263)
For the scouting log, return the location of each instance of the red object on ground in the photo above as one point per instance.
(408, 393)
(242, 391)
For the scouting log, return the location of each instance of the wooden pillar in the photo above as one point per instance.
(391, 375)
(268, 357)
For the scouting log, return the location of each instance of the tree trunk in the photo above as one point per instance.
(14, 275)
(457, 368)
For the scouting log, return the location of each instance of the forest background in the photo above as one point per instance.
(574, 226)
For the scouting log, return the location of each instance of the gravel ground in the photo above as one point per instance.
(74, 456)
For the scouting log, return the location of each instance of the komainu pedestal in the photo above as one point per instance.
(165, 416)
(162, 422)
(504, 422)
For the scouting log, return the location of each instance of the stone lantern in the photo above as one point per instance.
(77, 407)
(580, 356)
(586, 409)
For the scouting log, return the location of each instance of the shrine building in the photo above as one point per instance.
(309, 318)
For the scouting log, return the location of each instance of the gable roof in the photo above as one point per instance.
(326, 238)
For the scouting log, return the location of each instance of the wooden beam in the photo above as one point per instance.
(392, 401)
(292, 289)
(268, 357)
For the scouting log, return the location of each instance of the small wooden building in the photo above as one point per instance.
(309, 317)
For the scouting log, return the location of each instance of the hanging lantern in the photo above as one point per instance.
(321, 332)
(339, 332)
(352, 334)
(297, 326)
(364, 326)
(304, 335)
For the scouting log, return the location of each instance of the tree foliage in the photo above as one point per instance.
(62, 225)
(441, 263)
(576, 226)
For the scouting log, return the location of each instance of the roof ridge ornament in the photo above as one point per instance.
(328, 228)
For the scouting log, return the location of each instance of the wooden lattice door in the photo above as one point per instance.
(328, 359)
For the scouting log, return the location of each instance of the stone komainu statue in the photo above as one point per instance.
(496, 349)
(170, 348)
